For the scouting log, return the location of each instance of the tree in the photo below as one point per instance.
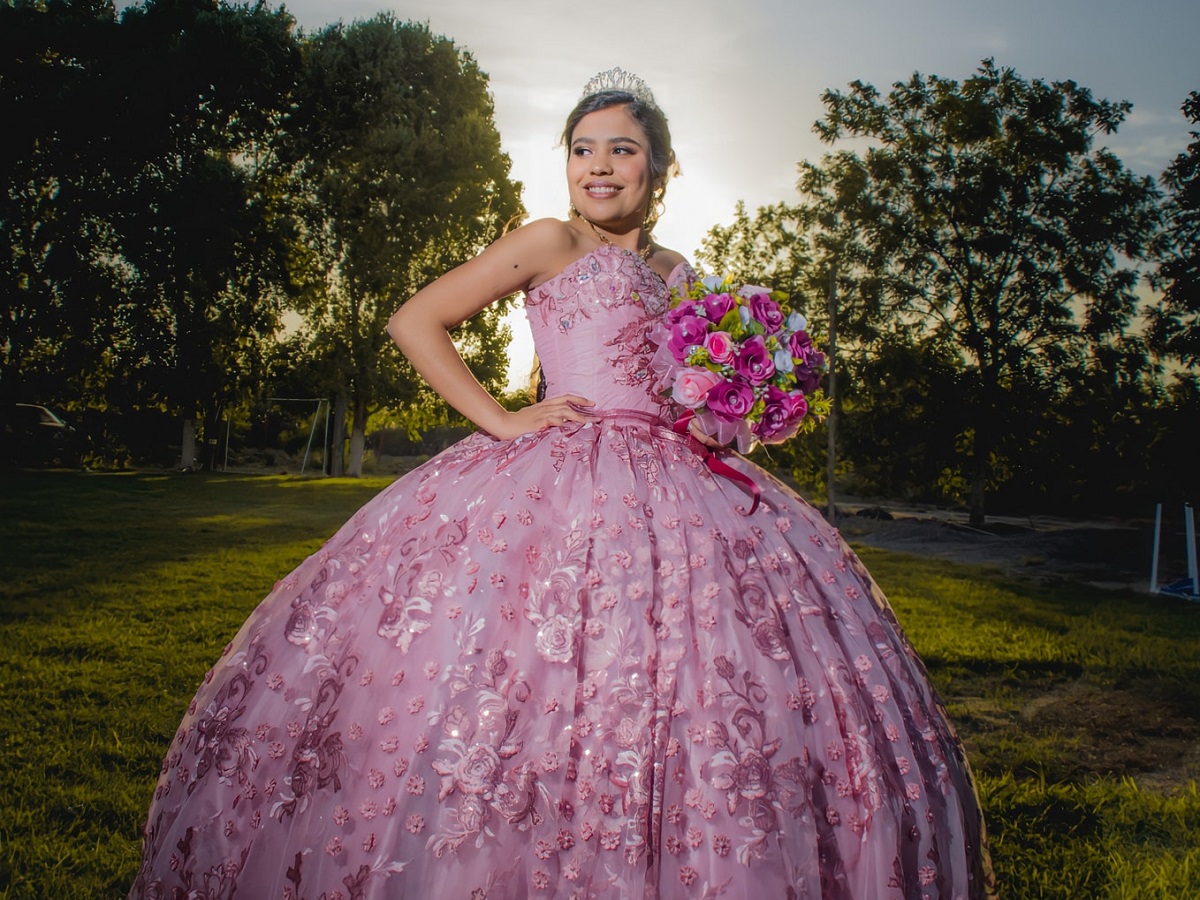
(56, 287)
(985, 222)
(202, 86)
(1176, 325)
(397, 173)
(140, 261)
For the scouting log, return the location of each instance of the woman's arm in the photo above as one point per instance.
(421, 326)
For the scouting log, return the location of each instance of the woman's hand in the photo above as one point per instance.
(548, 413)
(698, 434)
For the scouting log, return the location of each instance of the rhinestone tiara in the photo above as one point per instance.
(617, 79)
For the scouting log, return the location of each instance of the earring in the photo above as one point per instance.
(654, 210)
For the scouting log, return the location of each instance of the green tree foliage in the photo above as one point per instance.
(396, 171)
(58, 287)
(201, 89)
(1176, 326)
(142, 269)
(985, 223)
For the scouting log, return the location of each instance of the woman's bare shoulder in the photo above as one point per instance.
(547, 236)
(537, 250)
(665, 260)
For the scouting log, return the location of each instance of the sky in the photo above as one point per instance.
(741, 80)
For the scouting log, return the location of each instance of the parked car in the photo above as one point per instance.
(34, 435)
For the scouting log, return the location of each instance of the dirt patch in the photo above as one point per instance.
(1103, 554)
(1145, 730)
(1140, 732)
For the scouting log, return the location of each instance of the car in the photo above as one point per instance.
(35, 435)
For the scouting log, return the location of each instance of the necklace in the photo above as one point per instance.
(644, 252)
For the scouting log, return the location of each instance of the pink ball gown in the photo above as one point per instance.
(570, 665)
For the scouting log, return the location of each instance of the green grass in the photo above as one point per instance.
(1078, 706)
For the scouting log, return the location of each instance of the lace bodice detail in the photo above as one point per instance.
(590, 323)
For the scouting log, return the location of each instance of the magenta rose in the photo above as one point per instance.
(782, 415)
(730, 401)
(720, 347)
(716, 306)
(682, 311)
(798, 342)
(810, 363)
(766, 311)
(692, 386)
(687, 332)
(753, 361)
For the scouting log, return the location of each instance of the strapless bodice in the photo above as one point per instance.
(590, 323)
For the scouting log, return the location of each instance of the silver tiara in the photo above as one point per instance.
(617, 79)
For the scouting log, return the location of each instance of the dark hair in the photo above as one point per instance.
(652, 121)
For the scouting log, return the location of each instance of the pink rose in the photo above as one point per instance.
(692, 385)
(716, 306)
(753, 361)
(720, 347)
(686, 333)
(730, 401)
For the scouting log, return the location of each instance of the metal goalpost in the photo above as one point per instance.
(1187, 587)
(321, 403)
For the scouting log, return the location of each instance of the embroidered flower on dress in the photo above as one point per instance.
(555, 641)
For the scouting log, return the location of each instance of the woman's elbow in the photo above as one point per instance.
(395, 325)
(400, 328)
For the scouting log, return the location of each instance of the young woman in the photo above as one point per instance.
(560, 659)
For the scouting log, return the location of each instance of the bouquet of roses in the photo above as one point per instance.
(741, 362)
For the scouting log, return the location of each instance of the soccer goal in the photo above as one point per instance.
(281, 434)
(1188, 587)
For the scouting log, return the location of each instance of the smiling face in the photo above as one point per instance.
(608, 169)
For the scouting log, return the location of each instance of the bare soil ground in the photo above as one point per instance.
(1145, 729)
(1103, 553)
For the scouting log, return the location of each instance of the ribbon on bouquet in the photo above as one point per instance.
(714, 463)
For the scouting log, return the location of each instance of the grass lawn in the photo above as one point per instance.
(1080, 708)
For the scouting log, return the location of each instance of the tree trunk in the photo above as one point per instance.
(187, 445)
(978, 491)
(337, 461)
(358, 440)
(981, 454)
